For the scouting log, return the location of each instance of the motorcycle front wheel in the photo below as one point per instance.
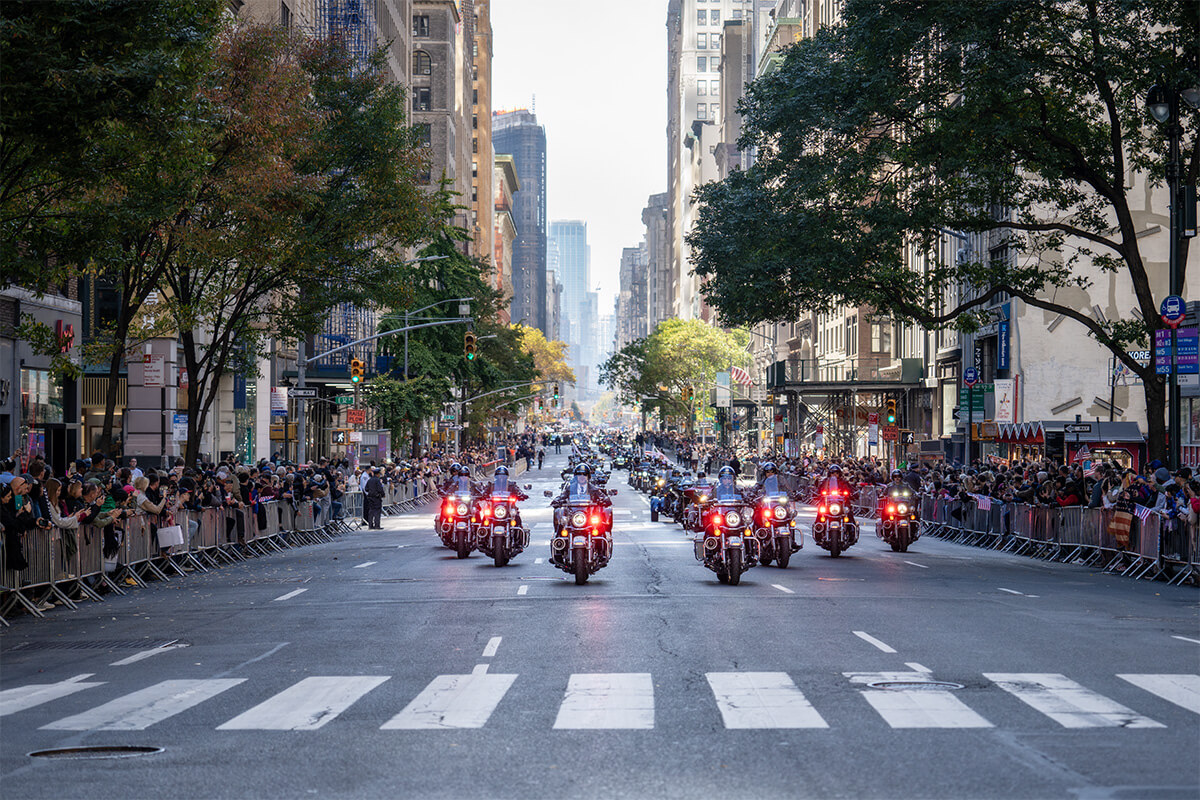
(501, 557)
(733, 563)
(581, 567)
(783, 552)
(464, 547)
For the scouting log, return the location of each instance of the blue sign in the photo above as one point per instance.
(1187, 351)
(1172, 310)
(970, 376)
(1002, 345)
(1162, 352)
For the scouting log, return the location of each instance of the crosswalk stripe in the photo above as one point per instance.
(607, 700)
(453, 701)
(1182, 690)
(1068, 703)
(923, 708)
(762, 700)
(23, 697)
(139, 710)
(306, 705)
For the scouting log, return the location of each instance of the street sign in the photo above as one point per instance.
(1081, 427)
(907, 437)
(356, 416)
(891, 433)
(344, 400)
(303, 393)
(970, 376)
(873, 418)
(1187, 351)
(154, 370)
(1173, 310)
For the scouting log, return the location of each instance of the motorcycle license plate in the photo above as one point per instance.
(835, 525)
(580, 540)
(734, 541)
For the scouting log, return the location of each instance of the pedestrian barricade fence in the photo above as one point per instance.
(66, 567)
(1157, 547)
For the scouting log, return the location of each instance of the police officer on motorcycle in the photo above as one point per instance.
(833, 482)
(580, 489)
(726, 488)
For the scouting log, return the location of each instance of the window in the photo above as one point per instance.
(737, 14)
(474, 145)
(421, 25)
(422, 98)
(41, 398)
(881, 337)
(285, 15)
(701, 17)
(852, 335)
(716, 111)
(701, 88)
(474, 122)
(702, 41)
(424, 134)
(475, 97)
(714, 88)
(422, 63)
(715, 39)
(701, 111)
(701, 64)
(714, 17)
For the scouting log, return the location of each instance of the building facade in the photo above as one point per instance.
(517, 133)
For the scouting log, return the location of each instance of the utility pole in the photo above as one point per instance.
(301, 406)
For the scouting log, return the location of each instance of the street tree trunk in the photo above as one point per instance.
(1155, 391)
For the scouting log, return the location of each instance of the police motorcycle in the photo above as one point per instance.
(775, 520)
(835, 529)
(622, 460)
(726, 545)
(582, 541)
(499, 532)
(899, 515)
(676, 501)
(663, 487)
(455, 522)
(699, 501)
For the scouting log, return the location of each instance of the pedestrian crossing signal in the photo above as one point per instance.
(357, 370)
(469, 345)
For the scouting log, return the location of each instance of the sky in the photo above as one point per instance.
(598, 72)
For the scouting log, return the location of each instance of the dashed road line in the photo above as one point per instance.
(522, 589)
(1014, 591)
(866, 637)
(365, 564)
(915, 667)
(480, 669)
(289, 595)
(537, 561)
(783, 589)
(1186, 639)
(492, 646)
(153, 651)
(915, 564)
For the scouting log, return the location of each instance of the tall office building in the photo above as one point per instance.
(569, 238)
(482, 154)
(518, 134)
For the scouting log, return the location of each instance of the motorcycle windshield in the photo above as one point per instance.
(580, 492)
(772, 487)
(462, 485)
(724, 492)
(500, 484)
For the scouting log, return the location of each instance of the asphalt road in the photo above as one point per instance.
(381, 666)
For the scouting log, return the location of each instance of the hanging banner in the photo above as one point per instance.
(279, 398)
(1006, 400)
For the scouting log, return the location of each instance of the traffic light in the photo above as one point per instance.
(891, 412)
(357, 370)
(469, 347)
(556, 395)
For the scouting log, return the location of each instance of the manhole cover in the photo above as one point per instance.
(99, 751)
(929, 686)
(95, 644)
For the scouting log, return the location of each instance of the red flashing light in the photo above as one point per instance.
(822, 510)
(891, 509)
(595, 519)
(487, 511)
(718, 519)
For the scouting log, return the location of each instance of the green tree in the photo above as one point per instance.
(403, 405)
(673, 368)
(914, 118)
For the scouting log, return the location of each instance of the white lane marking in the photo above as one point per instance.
(1186, 639)
(914, 666)
(915, 564)
(141, 709)
(1011, 591)
(866, 637)
(783, 589)
(522, 589)
(153, 651)
(537, 561)
(453, 701)
(922, 708)
(1182, 690)
(480, 669)
(492, 646)
(289, 595)
(305, 706)
(365, 564)
(607, 701)
(23, 697)
(1067, 703)
(762, 700)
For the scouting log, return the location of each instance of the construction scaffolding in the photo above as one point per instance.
(352, 22)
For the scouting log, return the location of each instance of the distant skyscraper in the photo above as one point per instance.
(569, 239)
(518, 134)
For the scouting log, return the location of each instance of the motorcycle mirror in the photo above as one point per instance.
(548, 493)
(612, 492)
(528, 486)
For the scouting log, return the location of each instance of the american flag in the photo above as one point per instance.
(740, 375)
(983, 502)
(1143, 513)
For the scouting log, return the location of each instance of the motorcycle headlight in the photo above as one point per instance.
(703, 498)
(903, 509)
(461, 508)
(733, 519)
(780, 512)
(579, 519)
(835, 510)
(501, 511)
(661, 482)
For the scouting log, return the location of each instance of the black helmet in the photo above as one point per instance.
(726, 471)
(501, 470)
(897, 474)
(769, 468)
(834, 468)
(455, 467)
(583, 469)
